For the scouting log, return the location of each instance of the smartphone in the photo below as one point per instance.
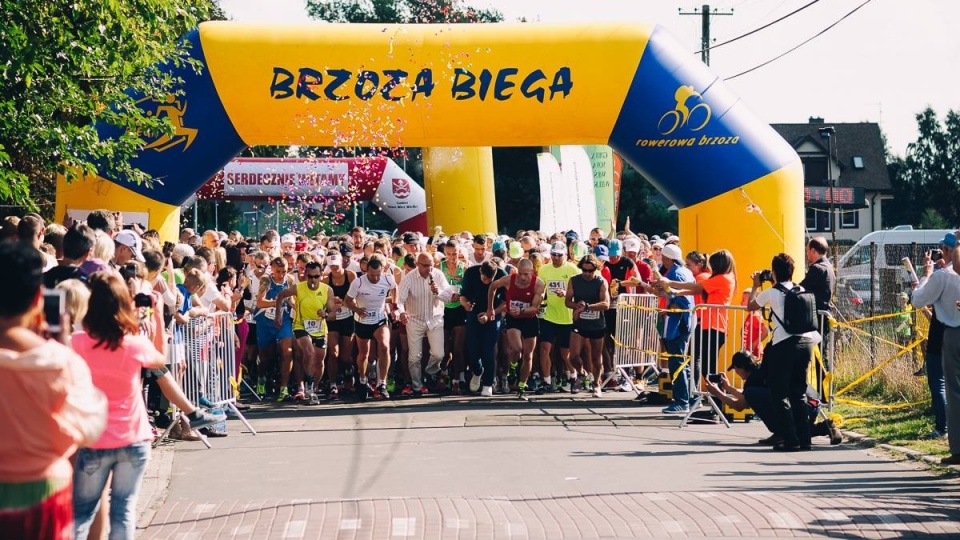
(53, 309)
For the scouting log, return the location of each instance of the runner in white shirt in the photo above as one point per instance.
(367, 298)
(479, 255)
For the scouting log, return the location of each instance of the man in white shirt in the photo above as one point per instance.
(420, 303)
(787, 358)
(941, 290)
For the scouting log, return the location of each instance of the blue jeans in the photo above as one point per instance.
(676, 348)
(481, 343)
(90, 477)
(938, 391)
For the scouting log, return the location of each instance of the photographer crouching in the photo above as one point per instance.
(787, 356)
(756, 395)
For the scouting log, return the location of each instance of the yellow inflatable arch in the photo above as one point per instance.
(737, 183)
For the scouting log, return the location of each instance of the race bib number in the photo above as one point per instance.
(313, 326)
(373, 318)
(589, 315)
(556, 285)
(343, 313)
(542, 311)
(519, 305)
(270, 313)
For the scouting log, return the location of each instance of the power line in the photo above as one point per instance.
(755, 30)
(818, 34)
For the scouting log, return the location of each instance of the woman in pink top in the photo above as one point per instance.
(115, 353)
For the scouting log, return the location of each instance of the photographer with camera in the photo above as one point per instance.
(756, 395)
(788, 355)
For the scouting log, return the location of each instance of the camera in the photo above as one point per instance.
(715, 378)
(142, 300)
(766, 275)
(936, 255)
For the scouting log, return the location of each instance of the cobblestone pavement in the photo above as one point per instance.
(549, 469)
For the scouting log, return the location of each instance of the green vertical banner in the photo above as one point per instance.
(602, 161)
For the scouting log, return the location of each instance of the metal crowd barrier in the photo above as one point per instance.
(636, 340)
(202, 359)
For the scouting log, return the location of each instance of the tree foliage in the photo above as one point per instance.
(400, 11)
(926, 181)
(66, 65)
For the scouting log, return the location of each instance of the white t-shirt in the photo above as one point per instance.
(372, 297)
(472, 261)
(773, 299)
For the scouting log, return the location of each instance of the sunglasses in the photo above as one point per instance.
(588, 270)
(313, 276)
(658, 249)
(261, 266)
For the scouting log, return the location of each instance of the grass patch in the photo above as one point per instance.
(893, 384)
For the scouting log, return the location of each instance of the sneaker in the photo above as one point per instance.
(835, 436)
(935, 434)
(504, 386)
(204, 402)
(475, 383)
(567, 388)
(363, 391)
(676, 408)
(486, 392)
(334, 394)
(624, 386)
(300, 395)
(314, 398)
(202, 418)
(382, 392)
(407, 390)
(597, 392)
(283, 395)
(521, 392)
(695, 403)
(456, 388)
(261, 386)
(210, 432)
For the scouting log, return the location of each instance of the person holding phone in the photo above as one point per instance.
(49, 405)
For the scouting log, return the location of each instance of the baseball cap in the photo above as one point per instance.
(288, 239)
(132, 241)
(949, 240)
(334, 259)
(632, 245)
(602, 253)
(655, 238)
(498, 245)
(616, 248)
(572, 235)
(742, 360)
(516, 250)
(558, 248)
(658, 243)
(672, 251)
(345, 248)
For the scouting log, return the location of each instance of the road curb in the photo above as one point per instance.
(862, 440)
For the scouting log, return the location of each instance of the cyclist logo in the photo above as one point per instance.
(174, 110)
(695, 118)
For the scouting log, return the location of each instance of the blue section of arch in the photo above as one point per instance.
(178, 171)
(690, 165)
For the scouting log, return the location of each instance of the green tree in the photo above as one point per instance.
(926, 181)
(400, 11)
(66, 65)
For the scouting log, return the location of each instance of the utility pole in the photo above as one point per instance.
(705, 15)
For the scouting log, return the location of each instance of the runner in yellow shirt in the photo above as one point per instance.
(314, 307)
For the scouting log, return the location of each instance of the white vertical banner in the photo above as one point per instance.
(550, 187)
(577, 175)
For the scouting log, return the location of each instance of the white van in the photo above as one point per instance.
(853, 268)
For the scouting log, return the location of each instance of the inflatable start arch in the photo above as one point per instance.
(627, 85)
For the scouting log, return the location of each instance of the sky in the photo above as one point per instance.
(885, 63)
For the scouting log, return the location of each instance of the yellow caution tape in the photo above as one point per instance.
(883, 364)
(865, 405)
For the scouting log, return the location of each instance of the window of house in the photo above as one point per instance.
(818, 220)
(850, 219)
(815, 171)
(857, 162)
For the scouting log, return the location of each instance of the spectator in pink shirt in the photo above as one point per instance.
(48, 406)
(116, 353)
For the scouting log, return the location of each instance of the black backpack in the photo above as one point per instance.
(799, 310)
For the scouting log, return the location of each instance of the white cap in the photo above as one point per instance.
(631, 244)
(288, 239)
(132, 241)
(334, 259)
(672, 251)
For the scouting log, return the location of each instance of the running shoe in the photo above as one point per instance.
(382, 392)
(487, 391)
(407, 390)
(676, 408)
(261, 386)
(284, 395)
(456, 388)
(334, 394)
(597, 392)
(300, 395)
(475, 383)
(314, 399)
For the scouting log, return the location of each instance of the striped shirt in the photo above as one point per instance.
(415, 298)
